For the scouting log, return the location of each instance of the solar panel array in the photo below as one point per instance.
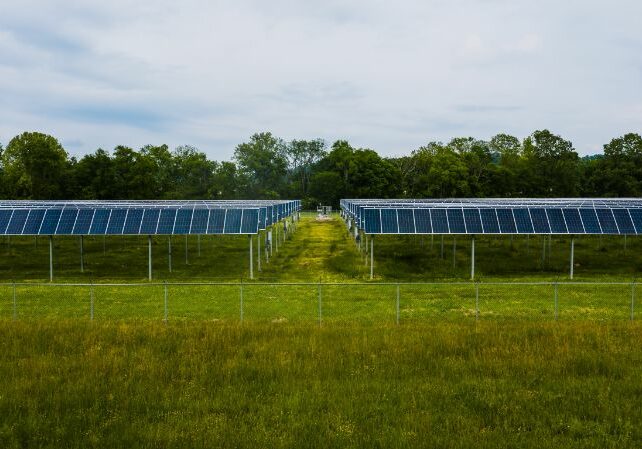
(141, 217)
(497, 216)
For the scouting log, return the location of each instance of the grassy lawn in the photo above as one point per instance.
(203, 384)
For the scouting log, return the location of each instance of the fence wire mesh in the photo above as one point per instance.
(322, 302)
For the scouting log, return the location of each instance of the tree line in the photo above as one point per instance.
(34, 165)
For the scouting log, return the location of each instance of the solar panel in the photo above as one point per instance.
(556, 220)
(422, 221)
(373, 221)
(473, 221)
(590, 221)
(623, 221)
(17, 222)
(166, 222)
(506, 221)
(607, 221)
(233, 221)
(133, 221)
(250, 221)
(83, 222)
(216, 223)
(34, 221)
(406, 221)
(573, 221)
(389, 223)
(636, 216)
(67, 222)
(540, 221)
(456, 221)
(439, 221)
(50, 222)
(183, 221)
(489, 221)
(150, 221)
(99, 222)
(523, 221)
(199, 221)
(5, 216)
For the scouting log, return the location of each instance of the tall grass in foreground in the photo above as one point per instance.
(203, 384)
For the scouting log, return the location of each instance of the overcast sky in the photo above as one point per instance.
(385, 75)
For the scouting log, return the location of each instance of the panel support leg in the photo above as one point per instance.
(251, 259)
(50, 258)
(572, 256)
(149, 257)
(372, 257)
(169, 252)
(258, 251)
(472, 259)
(82, 256)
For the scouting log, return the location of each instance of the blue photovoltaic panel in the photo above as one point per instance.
(636, 215)
(199, 221)
(99, 222)
(523, 221)
(406, 221)
(183, 221)
(456, 221)
(17, 222)
(166, 222)
(389, 221)
(607, 222)
(216, 221)
(556, 220)
(573, 221)
(489, 221)
(623, 220)
(589, 218)
(50, 222)
(262, 216)
(540, 221)
(83, 222)
(233, 221)
(506, 221)
(133, 221)
(33, 222)
(67, 221)
(250, 221)
(473, 221)
(5, 216)
(150, 221)
(439, 221)
(422, 221)
(116, 221)
(373, 221)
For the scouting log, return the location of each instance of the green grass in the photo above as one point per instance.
(202, 384)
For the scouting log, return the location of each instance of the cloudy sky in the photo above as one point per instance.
(384, 75)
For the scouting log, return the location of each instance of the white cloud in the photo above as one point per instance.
(386, 76)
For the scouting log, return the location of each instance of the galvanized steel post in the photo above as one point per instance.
(251, 259)
(472, 259)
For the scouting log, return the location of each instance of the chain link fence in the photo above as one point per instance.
(322, 302)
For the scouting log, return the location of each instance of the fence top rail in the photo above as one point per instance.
(310, 284)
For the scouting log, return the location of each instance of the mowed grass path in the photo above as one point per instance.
(203, 384)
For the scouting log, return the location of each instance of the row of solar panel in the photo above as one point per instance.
(503, 221)
(128, 221)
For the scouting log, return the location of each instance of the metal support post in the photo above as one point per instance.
(372, 257)
(50, 258)
(169, 252)
(149, 257)
(276, 237)
(572, 255)
(82, 256)
(472, 259)
(258, 250)
(251, 259)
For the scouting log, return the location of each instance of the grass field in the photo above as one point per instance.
(202, 384)
(514, 377)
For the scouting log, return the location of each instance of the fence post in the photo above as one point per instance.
(555, 295)
(477, 301)
(15, 304)
(241, 293)
(165, 303)
(632, 299)
(320, 307)
(397, 304)
(91, 301)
